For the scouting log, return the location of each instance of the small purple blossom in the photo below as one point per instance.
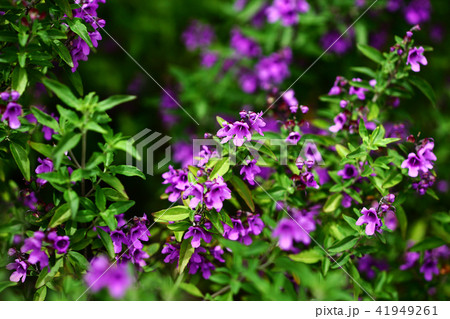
(12, 113)
(287, 11)
(197, 233)
(115, 278)
(217, 193)
(198, 35)
(418, 11)
(429, 266)
(414, 164)
(20, 273)
(372, 220)
(416, 58)
(249, 171)
(339, 122)
(46, 166)
(349, 171)
(243, 45)
(358, 91)
(293, 138)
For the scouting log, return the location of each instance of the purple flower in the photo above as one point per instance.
(248, 82)
(197, 233)
(30, 200)
(249, 171)
(35, 244)
(287, 232)
(4, 96)
(390, 220)
(334, 42)
(12, 113)
(139, 232)
(217, 253)
(118, 238)
(370, 218)
(115, 278)
(197, 262)
(414, 164)
(178, 181)
(244, 46)
(367, 264)
(237, 233)
(287, 11)
(425, 152)
(255, 224)
(349, 171)
(20, 272)
(293, 138)
(415, 58)
(198, 35)
(418, 11)
(195, 190)
(339, 122)
(256, 122)
(240, 130)
(358, 91)
(272, 70)
(429, 266)
(394, 5)
(61, 244)
(208, 59)
(411, 257)
(217, 193)
(172, 251)
(45, 167)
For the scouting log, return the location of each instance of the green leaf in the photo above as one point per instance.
(19, 79)
(221, 168)
(191, 289)
(352, 222)
(100, 199)
(76, 81)
(78, 260)
(63, 52)
(61, 215)
(342, 150)
(127, 170)
(371, 53)
(393, 179)
(65, 7)
(45, 119)
(120, 207)
(66, 143)
(63, 92)
(41, 148)
(112, 101)
(107, 242)
(243, 191)
(6, 284)
(186, 251)
(46, 276)
(72, 199)
(344, 244)
(363, 131)
(114, 182)
(332, 203)
(77, 26)
(40, 294)
(427, 244)
(20, 155)
(310, 256)
(220, 120)
(172, 214)
(424, 87)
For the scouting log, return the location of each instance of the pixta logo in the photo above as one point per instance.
(146, 143)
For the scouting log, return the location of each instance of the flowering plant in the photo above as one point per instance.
(281, 201)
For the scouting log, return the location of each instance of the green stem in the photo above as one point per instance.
(83, 160)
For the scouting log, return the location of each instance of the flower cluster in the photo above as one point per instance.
(198, 36)
(372, 217)
(287, 11)
(430, 262)
(130, 235)
(296, 228)
(241, 131)
(244, 46)
(101, 274)
(34, 251)
(420, 164)
(87, 10)
(13, 109)
(241, 231)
